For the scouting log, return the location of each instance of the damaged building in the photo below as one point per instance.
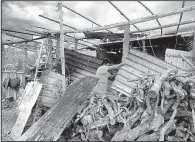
(128, 86)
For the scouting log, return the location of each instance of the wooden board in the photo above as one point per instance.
(29, 98)
(172, 57)
(50, 126)
(138, 64)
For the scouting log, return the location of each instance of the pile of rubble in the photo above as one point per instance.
(160, 108)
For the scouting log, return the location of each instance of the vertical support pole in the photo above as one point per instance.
(25, 61)
(76, 44)
(3, 58)
(62, 46)
(58, 47)
(126, 42)
(193, 49)
(144, 45)
(49, 58)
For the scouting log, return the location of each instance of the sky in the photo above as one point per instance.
(17, 15)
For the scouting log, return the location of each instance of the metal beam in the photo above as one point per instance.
(135, 21)
(166, 26)
(151, 13)
(122, 14)
(181, 15)
(85, 17)
(57, 22)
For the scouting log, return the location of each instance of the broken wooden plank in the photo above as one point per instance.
(25, 108)
(50, 126)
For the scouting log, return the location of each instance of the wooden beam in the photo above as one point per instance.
(193, 49)
(21, 37)
(6, 30)
(152, 14)
(66, 34)
(62, 46)
(181, 15)
(24, 41)
(50, 58)
(25, 61)
(38, 61)
(152, 37)
(3, 57)
(58, 48)
(126, 42)
(135, 21)
(76, 44)
(122, 14)
(144, 45)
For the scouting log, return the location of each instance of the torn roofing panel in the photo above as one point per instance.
(137, 65)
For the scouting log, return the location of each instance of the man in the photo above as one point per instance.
(103, 75)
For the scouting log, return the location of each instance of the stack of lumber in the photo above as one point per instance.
(50, 126)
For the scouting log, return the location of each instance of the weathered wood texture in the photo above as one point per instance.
(80, 65)
(50, 126)
(138, 64)
(28, 100)
(172, 57)
(11, 74)
(52, 88)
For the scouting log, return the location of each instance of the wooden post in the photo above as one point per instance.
(49, 58)
(193, 49)
(126, 42)
(3, 58)
(58, 48)
(76, 44)
(143, 45)
(25, 61)
(62, 45)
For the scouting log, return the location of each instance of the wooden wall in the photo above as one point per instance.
(137, 64)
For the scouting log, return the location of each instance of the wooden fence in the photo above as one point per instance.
(11, 74)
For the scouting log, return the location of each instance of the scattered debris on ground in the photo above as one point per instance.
(162, 108)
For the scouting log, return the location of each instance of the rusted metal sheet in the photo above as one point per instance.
(138, 64)
(172, 57)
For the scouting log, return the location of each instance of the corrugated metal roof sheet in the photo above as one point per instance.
(172, 57)
(138, 64)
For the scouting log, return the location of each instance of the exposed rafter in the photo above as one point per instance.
(64, 25)
(6, 30)
(122, 14)
(85, 17)
(166, 26)
(181, 15)
(151, 13)
(31, 40)
(21, 37)
(56, 21)
(135, 21)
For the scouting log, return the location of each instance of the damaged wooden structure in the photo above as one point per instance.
(50, 126)
(64, 101)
